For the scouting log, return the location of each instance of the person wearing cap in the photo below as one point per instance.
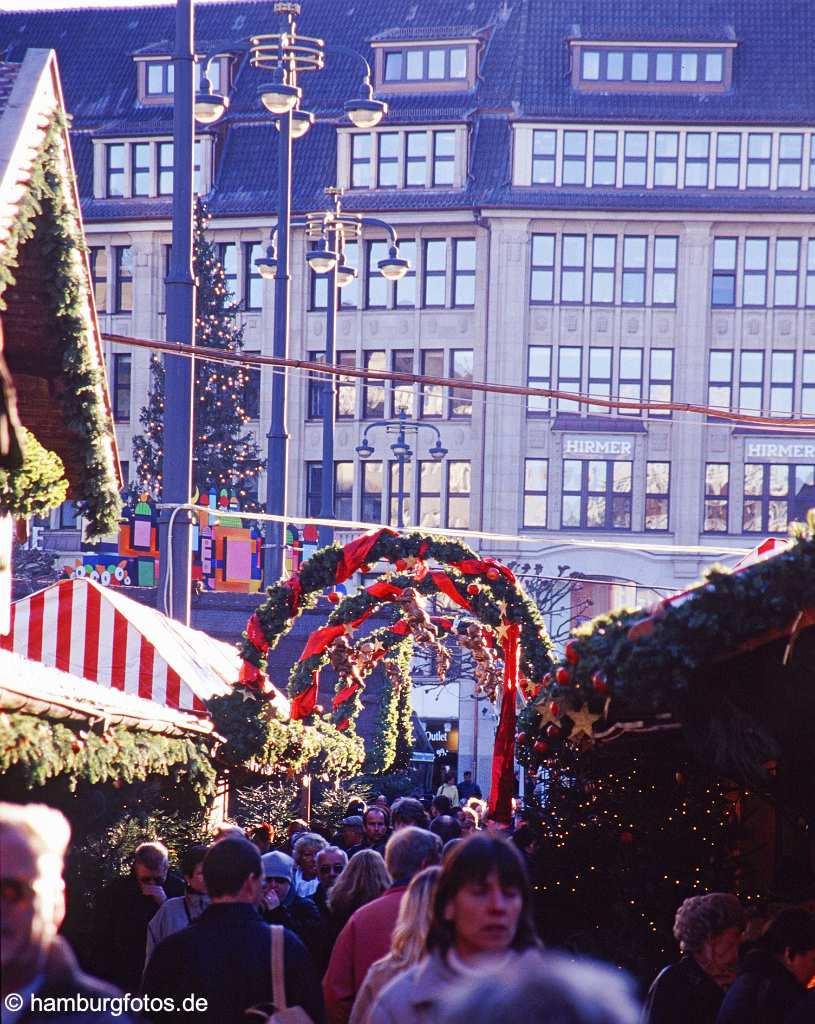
(351, 832)
(281, 903)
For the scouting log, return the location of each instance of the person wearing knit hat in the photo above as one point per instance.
(280, 903)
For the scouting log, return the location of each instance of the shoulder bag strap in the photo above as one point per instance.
(278, 974)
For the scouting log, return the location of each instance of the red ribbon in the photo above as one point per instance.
(383, 591)
(475, 566)
(356, 553)
(254, 634)
(250, 675)
(296, 587)
(320, 639)
(503, 760)
(304, 703)
(446, 586)
(442, 623)
(400, 628)
(346, 694)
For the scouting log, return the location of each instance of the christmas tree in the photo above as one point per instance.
(225, 454)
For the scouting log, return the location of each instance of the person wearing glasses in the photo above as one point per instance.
(124, 909)
(331, 862)
(35, 960)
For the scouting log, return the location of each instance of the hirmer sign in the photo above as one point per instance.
(779, 450)
(580, 444)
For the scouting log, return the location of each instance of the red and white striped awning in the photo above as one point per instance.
(97, 633)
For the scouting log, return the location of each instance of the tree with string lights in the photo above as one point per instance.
(225, 454)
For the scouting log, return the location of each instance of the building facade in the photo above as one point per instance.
(592, 200)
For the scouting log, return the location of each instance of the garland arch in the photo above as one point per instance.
(482, 587)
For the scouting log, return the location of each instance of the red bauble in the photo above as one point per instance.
(552, 731)
(562, 676)
(365, 568)
(492, 574)
(473, 589)
(522, 738)
(318, 709)
(77, 745)
(598, 681)
(572, 655)
(401, 564)
(547, 679)
(541, 746)
(554, 709)
(334, 597)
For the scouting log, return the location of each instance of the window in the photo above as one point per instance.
(372, 488)
(759, 149)
(808, 385)
(728, 152)
(602, 269)
(688, 67)
(634, 254)
(647, 70)
(751, 382)
(314, 394)
(724, 272)
(393, 66)
(159, 78)
(361, 161)
(166, 254)
(600, 376)
(461, 368)
(124, 469)
(458, 495)
(635, 159)
(543, 268)
(252, 281)
(666, 250)
(697, 157)
(574, 158)
(570, 362)
(415, 159)
(405, 289)
(755, 272)
(787, 252)
(317, 289)
(99, 276)
(464, 272)
(164, 178)
(639, 66)
(140, 169)
(782, 383)
(596, 494)
(432, 64)
(251, 388)
(811, 163)
(717, 496)
(444, 157)
(790, 154)
(591, 65)
(605, 158)
(720, 379)
(435, 273)
(810, 275)
(121, 387)
(538, 375)
(614, 66)
(373, 399)
(376, 291)
(630, 388)
(660, 386)
(228, 258)
(123, 297)
(657, 495)
(431, 399)
(115, 169)
(346, 387)
(349, 293)
(402, 394)
(429, 504)
(536, 472)
(394, 492)
(343, 489)
(666, 160)
(68, 515)
(543, 157)
(388, 159)
(714, 67)
(775, 495)
(573, 268)
(664, 67)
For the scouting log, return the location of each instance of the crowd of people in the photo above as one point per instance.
(404, 916)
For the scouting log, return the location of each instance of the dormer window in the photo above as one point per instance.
(443, 66)
(651, 67)
(156, 79)
(159, 78)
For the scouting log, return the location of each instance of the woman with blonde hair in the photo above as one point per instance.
(363, 879)
(407, 942)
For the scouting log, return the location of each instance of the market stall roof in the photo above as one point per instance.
(98, 633)
(32, 688)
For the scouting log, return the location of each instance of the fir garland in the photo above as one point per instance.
(43, 750)
(38, 485)
(609, 672)
(46, 213)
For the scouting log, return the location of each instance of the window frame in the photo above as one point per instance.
(121, 391)
(252, 279)
(721, 498)
(535, 492)
(460, 275)
(657, 496)
(608, 493)
(538, 270)
(538, 380)
(639, 161)
(428, 274)
(122, 277)
(787, 275)
(631, 271)
(724, 273)
(572, 269)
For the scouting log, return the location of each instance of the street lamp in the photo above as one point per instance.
(402, 453)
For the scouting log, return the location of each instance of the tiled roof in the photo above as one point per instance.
(8, 74)
(523, 73)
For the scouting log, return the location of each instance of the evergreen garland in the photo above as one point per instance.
(46, 214)
(225, 454)
(42, 750)
(38, 485)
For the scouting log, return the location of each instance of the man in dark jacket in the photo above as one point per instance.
(40, 976)
(281, 904)
(376, 826)
(468, 788)
(123, 911)
(224, 957)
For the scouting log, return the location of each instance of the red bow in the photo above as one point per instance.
(254, 634)
(304, 703)
(446, 586)
(356, 553)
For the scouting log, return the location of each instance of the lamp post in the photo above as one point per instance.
(402, 453)
(328, 231)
